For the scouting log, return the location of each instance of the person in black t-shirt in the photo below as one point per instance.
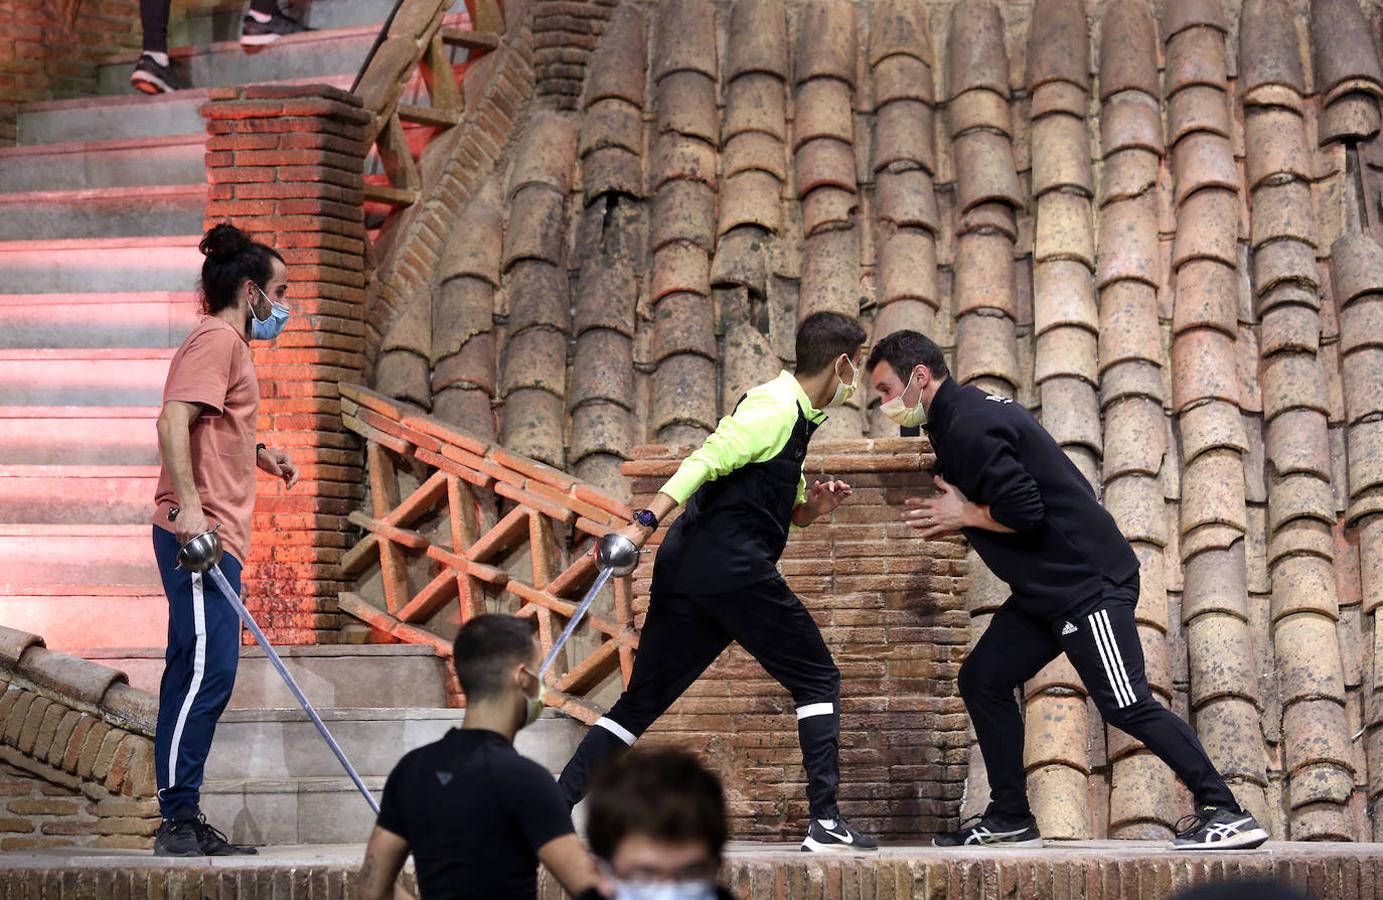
(657, 826)
(477, 816)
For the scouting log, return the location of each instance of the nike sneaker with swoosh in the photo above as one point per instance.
(827, 835)
(989, 830)
(1218, 828)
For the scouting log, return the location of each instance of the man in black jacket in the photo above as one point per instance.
(1034, 520)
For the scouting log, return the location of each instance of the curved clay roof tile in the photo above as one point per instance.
(900, 27)
(462, 309)
(536, 226)
(1061, 156)
(1206, 297)
(1131, 120)
(606, 293)
(1212, 492)
(476, 249)
(984, 170)
(1301, 497)
(684, 211)
(751, 198)
(986, 347)
(531, 424)
(907, 267)
(683, 323)
(1179, 15)
(612, 123)
(755, 102)
(685, 40)
(742, 260)
(411, 330)
(1283, 212)
(823, 111)
(600, 427)
(828, 207)
(831, 273)
(900, 314)
(1217, 582)
(983, 275)
(684, 392)
(1203, 368)
(903, 134)
(537, 296)
(988, 218)
(754, 150)
(1356, 267)
(686, 103)
(1353, 86)
(1351, 117)
(1361, 324)
(678, 156)
(1056, 733)
(826, 43)
(1297, 441)
(1135, 441)
(1198, 108)
(1060, 97)
(1130, 378)
(1059, 44)
(1211, 426)
(1205, 228)
(602, 369)
(907, 197)
(537, 359)
(825, 162)
(1365, 457)
(1128, 174)
(975, 53)
(1063, 229)
(758, 39)
(1139, 508)
(978, 109)
(404, 374)
(902, 78)
(611, 170)
(1268, 49)
(546, 153)
(1201, 161)
(617, 66)
(680, 266)
(1067, 353)
(1285, 265)
(1290, 328)
(1275, 146)
(1303, 637)
(1196, 56)
(1064, 295)
(1275, 95)
(1342, 44)
(1128, 244)
(1363, 384)
(1128, 49)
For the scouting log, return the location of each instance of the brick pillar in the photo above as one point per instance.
(285, 164)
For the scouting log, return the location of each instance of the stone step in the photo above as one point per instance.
(77, 495)
(78, 435)
(83, 377)
(74, 165)
(100, 264)
(224, 24)
(98, 319)
(142, 211)
(312, 54)
(376, 676)
(85, 616)
(48, 555)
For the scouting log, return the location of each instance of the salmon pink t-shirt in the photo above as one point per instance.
(213, 368)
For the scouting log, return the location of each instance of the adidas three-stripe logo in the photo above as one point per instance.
(1112, 659)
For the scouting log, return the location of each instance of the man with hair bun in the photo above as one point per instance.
(208, 456)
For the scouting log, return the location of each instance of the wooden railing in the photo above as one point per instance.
(477, 528)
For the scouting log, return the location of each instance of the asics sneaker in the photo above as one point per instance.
(991, 830)
(254, 33)
(1218, 828)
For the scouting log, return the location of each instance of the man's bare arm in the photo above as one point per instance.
(175, 450)
(569, 862)
(385, 855)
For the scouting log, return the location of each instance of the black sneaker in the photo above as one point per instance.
(989, 830)
(254, 33)
(177, 837)
(826, 835)
(1218, 828)
(152, 78)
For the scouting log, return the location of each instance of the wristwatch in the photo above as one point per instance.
(646, 518)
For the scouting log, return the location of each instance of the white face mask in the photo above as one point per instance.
(666, 890)
(845, 389)
(898, 410)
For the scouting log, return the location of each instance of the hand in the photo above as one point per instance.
(278, 464)
(636, 533)
(190, 523)
(938, 516)
(824, 497)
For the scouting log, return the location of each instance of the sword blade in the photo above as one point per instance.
(600, 581)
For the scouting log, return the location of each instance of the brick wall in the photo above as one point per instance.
(892, 610)
(285, 164)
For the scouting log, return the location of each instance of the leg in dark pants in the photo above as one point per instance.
(677, 643)
(1012, 649)
(153, 16)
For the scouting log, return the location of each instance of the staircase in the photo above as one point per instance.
(101, 209)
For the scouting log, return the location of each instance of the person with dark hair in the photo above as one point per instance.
(206, 440)
(263, 23)
(657, 827)
(477, 816)
(716, 576)
(1035, 521)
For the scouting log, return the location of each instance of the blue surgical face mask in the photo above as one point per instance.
(272, 327)
(666, 890)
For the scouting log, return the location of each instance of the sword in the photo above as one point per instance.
(614, 555)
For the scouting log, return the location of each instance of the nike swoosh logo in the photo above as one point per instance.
(844, 838)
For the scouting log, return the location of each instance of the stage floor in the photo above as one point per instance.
(1066, 870)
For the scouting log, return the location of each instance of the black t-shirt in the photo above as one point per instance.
(474, 813)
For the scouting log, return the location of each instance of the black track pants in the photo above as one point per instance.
(1103, 646)
(153, 16)
(683, 634)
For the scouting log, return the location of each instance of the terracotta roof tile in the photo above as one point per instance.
(900, 314)
(1342, 44)
(1352, 86)
(1058, 44)
(1290, 327)
(758, 39)
(462, 309)
(975, 54)
(823, 111)
(907, 266)
(545, 153)
(902, 78)
(606, 294)
(1361, 324)
(1290, 381)
(1283, 211)
(1211, 426)
(1195, 56)
(680, 266)
(1198, 108)
(1179, 15)
(746, 359)
(1061, 155)
(1288, 267)
(1296, 442)
(826, 42)
(1059, 673)
(978, 109)
(1131, 120)
(535, 358)
(684, 392)
(1353, 116)
(1129, 328)
(751, 198)
(467, 406)
(1153, 608)
(1202, 232)
(1298, 640)
(989, 218)
(1055, 733)
(1128, 242)
(601, 428)
(531, 425)
(1127, 174)
(537, 295)
(411, 330)
(1071, 410)
(476, 251)
(1203, 368)
(1222, 726)
(742, 259)
(1301, 496)
(899, 27)
(1364, 507)
(685, 40)
(1365, 456)
(1276, 145)
(1128, 50)
(1068, 352)
(1064, 294)
(1207, 538)
(1269, 53)
(903, 134)
(755, 102)
(1316, 735)
(1215, 584)
(825, 162)
(907, 197)
(602, 368)
(404, 374)
(617, 65)
(612, 123)
(1064, 229)
(686, 104)
(831, 273)
(828, 207)
(1201, 161)
(984, 170)
(1300, 536)
(986, 346)
(1137, 505)
(676, 156)
(536, 226)
(1142, 788)
(1056, 792)
(754, 150)
(1060, 97)
(683, 323)
(684, 211)
(984, 274)
(611, 170)
(1135, 439)
(1206, 297)
(1356, 266)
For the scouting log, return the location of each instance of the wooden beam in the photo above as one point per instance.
(471, 40)
(428, 115)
